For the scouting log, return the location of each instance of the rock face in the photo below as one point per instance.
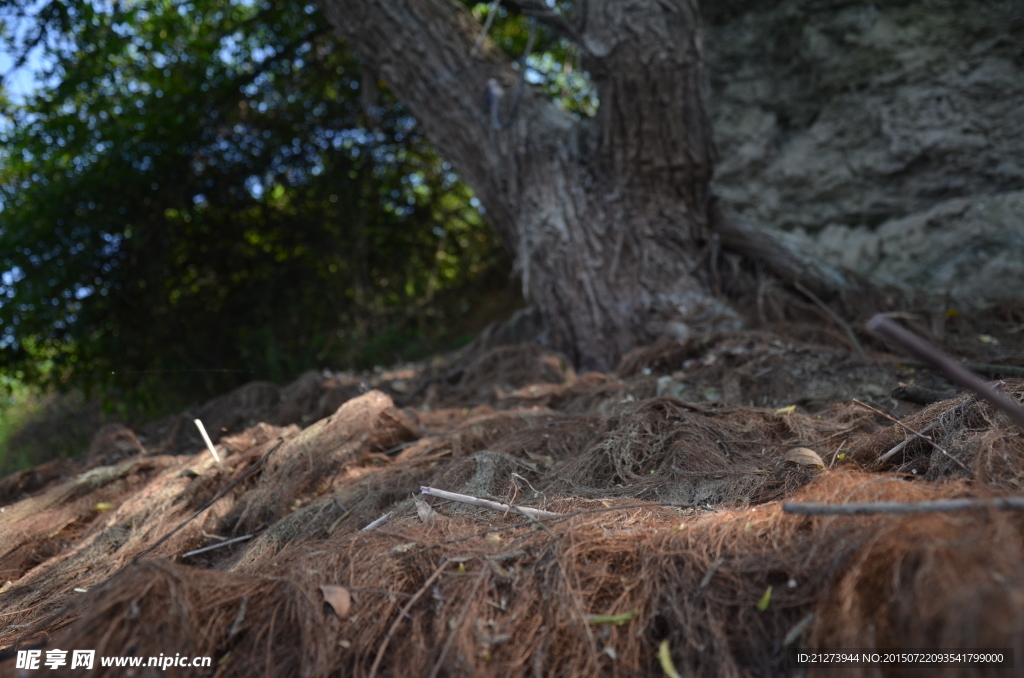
(867, 126)
(973, 247)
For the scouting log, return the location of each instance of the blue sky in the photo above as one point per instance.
(22, 82)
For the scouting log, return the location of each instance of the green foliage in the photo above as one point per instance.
(198, 198)
(37, 427)
(16, 406)
(553, 64)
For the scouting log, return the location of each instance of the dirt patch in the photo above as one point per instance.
(669, 478)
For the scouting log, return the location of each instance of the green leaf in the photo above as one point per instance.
(618, 619)
(665, 658)
(766, 599)
(195, 198)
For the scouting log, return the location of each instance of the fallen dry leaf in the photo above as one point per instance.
(338, 598)
(804, 456)
(403, 548)
(546, 461)
(423, 510)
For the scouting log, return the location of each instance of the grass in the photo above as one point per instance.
(36, 427)
(15, 409)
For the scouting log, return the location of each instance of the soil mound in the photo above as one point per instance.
(669, 545)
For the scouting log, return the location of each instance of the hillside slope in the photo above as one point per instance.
(670, 541)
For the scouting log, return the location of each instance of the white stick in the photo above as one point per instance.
(484, 503)
(209, 443)
(380, 521)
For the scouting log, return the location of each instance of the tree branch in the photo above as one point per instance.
(783, 255)
(422, 49)
(871, 508)
(922, 350)
(488, 504)
(546, 16)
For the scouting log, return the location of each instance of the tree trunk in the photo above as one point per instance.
(605, 216)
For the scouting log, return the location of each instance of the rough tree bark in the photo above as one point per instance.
(606, 216)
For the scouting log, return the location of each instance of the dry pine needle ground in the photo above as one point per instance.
(672, 531)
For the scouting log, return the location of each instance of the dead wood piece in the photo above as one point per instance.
(783, 255)
(872, 508)
(955, 372)
(485, 503)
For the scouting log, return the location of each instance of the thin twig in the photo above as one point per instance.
(220, 495)
(537, 522)
(491, 13)
(835, 454)
(217, 546)
(380, 521)
(239, 618)
(836, 318)
(896, 450)
(402, 614)
(934, 444)
(794, 633)
(871, 508)
(706, 579)
(536, 492)
(486, 503)
(958, 374)
(42, 623)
